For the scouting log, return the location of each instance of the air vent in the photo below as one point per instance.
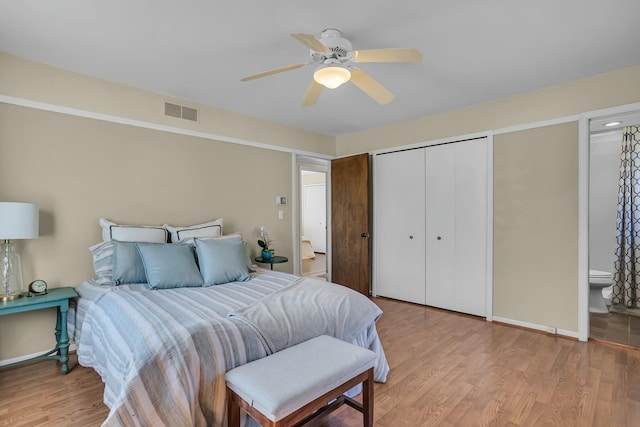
(189, 113)
(172, 110)
(180, 111)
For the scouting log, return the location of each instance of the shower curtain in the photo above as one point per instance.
(626, 278)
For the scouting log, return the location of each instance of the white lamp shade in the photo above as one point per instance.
(331, 77)
(18, 221)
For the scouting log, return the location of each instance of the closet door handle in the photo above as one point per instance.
(411, 237)
(439, 238)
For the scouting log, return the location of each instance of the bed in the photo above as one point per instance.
(162, 353)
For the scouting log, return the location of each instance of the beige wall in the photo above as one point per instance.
(579, 96)
(535, 255)
(34, 81)
(78, 170)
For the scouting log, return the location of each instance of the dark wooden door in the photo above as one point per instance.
(350, 225)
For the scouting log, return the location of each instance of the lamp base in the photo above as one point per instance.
(10, 297)
(11, 272)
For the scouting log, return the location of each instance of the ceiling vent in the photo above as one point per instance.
(180, 111)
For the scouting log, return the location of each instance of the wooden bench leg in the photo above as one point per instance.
(367, 400)
(233, 409)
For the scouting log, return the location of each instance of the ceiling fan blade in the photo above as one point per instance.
(387, 55)
(312, 42)
(311, 97)
(276, 71)
(371, 87)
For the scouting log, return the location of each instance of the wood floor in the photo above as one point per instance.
(446, 370)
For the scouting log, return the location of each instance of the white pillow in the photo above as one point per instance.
(207, 229)
(133, 233)
(233, 236)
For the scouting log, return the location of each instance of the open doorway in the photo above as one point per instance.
(609, 320)
(313, 215)
(313, 219)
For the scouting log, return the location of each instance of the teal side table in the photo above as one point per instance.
(57, 297)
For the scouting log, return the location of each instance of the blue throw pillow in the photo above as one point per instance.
(127, 264)
(222, 261)
(169, 266)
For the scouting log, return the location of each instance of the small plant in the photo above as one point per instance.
(265, 241)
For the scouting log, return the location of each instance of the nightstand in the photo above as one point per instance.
(57, 297)
(276, 259)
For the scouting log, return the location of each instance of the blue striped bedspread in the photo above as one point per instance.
(162, 354)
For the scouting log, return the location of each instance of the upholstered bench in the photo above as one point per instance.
(300, 382)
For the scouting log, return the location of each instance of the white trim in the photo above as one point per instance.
(570, 334)
(540, 124)
(295, 221)
(548, 329)
(154, 126)
(374, 227)
(329, 252)
(489, 238)
(24, 357)
(447, 140)
(583, 229)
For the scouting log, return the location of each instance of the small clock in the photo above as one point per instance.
(37, 287)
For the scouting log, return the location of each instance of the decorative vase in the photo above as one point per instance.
(266, 255)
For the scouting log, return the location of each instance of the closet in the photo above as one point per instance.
(431, 225)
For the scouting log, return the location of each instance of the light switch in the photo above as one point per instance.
(281, 214)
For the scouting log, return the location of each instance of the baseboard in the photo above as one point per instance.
(5, 362)
(569, 334)
(542, 328)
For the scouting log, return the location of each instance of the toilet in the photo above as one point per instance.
(598, 281)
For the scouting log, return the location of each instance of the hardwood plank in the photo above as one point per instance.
(447, 369)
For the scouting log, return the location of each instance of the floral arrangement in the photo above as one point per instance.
(265, 241)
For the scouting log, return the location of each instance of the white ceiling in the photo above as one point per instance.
(474, 51)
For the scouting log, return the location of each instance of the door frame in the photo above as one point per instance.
(584, 136)
(313, 164)
(489, 225)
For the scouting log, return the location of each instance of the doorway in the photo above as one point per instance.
(313, 215)
(313, 221)
(606, 322)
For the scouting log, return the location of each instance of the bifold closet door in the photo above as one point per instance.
(456, 218)
(400, 227)
(471, 227)
(440, 221)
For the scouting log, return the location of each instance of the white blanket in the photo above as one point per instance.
(309, 308)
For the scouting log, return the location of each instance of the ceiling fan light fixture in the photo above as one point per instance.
(331, 76)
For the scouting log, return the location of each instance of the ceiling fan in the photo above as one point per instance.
(335, 60)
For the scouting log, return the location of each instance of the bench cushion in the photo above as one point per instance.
(279, 384)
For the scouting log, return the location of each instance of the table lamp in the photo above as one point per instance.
(17, 221)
